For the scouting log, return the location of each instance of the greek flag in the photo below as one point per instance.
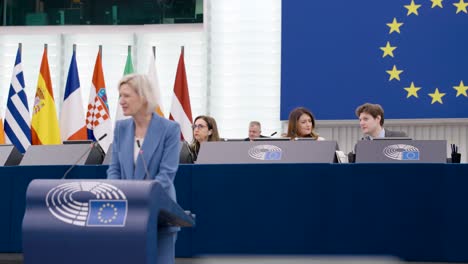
(17, 119)
(107, 213)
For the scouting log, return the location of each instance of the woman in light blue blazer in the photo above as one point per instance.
(146, 147)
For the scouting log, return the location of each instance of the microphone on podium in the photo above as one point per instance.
(91, 146)
(140, 153)
(274, 133)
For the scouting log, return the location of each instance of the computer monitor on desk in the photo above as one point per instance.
(233, 139)
(267, 152)
(272, 139)
(393, 138)
(401, 151)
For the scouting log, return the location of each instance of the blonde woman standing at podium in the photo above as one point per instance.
(301, 124)
(146, 147)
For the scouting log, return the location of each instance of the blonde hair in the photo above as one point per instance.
(142, 85)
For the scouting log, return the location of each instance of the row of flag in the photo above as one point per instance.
(45, 128)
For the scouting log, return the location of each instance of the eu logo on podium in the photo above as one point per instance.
(410, 155)
(107, 213)
(273, 155)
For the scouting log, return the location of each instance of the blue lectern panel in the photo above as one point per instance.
(261, 209)
(18, 178)
(6, 189)
(183, 184)
(94, 221)
(455, 234)
(401, 151)
(324, 209)
(25, 174)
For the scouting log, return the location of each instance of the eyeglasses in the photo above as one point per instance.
(199, 126)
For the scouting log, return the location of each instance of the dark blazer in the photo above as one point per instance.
(261, 136)
(389, 133)
(160, 152)
(187, 156)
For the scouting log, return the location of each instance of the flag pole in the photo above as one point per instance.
(100, 50)
(129, 49)
(182, 50)
(74, 47)
(20, 47)
(5, 3)
(45, 47)
(154, 52)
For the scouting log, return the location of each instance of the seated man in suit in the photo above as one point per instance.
(371, 120)
(255, 131)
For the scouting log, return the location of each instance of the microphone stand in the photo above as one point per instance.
(76, 163)
(140, 153)
(92, 145)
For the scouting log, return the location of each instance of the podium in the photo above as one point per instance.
(66, 154)
(267, 151)
(401, 151)
(9, 155)
(96, 221)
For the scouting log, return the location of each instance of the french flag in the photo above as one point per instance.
(72, 120)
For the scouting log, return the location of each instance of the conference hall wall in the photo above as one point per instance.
(232, 60)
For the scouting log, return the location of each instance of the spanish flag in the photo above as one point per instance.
(44, 124)
(2, 132)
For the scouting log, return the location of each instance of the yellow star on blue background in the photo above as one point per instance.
(436, 3)
(394, 26)
(436, 96)
(461, 6)
(412, 8)
(394, 73)
(461, 89)
(412, 90)
(387, 50)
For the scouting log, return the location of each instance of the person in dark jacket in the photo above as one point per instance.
(371, 120)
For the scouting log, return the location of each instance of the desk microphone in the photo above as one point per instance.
(274, 133)
(140, 153)
(91, 146)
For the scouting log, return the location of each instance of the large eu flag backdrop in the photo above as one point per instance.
(409, 56)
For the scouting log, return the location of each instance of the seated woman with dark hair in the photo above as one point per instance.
(204, 129)
(302, 124)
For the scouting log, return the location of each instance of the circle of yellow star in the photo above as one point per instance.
(112, 217)
(387, 50)
(394, 26)
(412, 90)
(394, 73)
(461, 6)
(461, 89)
(436, 96)
(413, 8)
(437, 3)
